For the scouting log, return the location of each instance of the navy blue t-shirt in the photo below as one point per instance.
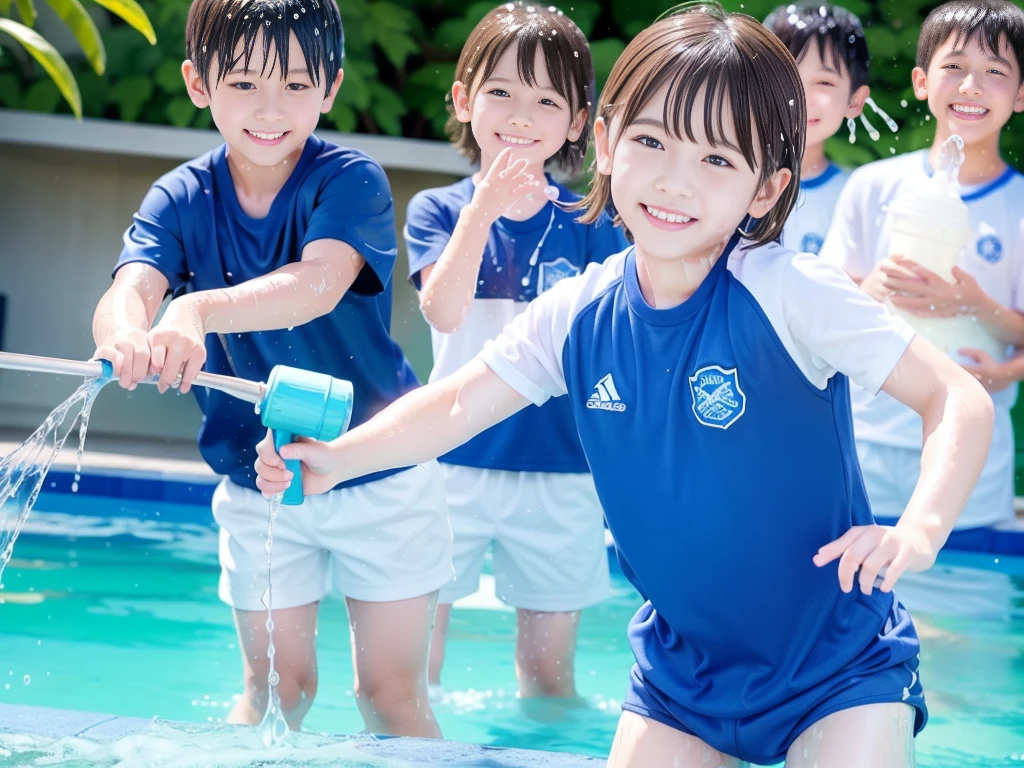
(192, 229)
(521, 261)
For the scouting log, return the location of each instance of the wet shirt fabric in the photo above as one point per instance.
(192, 229)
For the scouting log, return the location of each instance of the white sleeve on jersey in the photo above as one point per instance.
(528, 353)
(838, 327)
(824, 321)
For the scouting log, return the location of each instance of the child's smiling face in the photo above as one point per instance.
(263, 116)
(829, 92)
(971, 91)
(503, 111)
(681, 198)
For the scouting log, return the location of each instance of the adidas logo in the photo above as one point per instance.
(606, 396)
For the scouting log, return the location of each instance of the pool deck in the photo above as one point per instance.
(64, 723)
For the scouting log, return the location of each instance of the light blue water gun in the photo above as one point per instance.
(292, 403)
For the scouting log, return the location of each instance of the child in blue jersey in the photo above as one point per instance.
(970, 69)
(832, 55)
(708, 370)
(278, 248)
(479, 251)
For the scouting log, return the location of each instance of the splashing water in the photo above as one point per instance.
(273, 728)
(22, 471)
(890, 123)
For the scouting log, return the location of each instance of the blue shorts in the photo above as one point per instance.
(764, 738)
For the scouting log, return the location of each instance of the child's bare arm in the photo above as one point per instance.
(957, 416)
(449, 285)
(286, 297)
(414, 429)
(123, 317)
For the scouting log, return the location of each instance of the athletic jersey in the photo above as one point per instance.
(521, 261)
(721, 444)
(191, 228)
(859, 240)
(809, 222)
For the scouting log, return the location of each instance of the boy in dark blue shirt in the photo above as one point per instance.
(278, 248)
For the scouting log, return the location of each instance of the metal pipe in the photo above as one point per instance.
(243, 389)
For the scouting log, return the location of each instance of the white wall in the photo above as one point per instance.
(62, 215)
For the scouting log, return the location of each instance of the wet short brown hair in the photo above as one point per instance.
(737, 61)
(991, 21)
(566, 56)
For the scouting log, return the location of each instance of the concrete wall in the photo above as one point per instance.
(62, 215)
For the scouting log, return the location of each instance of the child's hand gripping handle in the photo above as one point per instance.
(293, 496)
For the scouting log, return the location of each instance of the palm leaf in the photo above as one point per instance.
(27, 11)
(131, 12)
(49, 59)
(81, 25)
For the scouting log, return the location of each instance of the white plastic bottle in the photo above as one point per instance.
(932, 225)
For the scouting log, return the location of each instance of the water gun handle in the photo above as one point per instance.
(293, 496)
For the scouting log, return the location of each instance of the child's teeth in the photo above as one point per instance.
(515, 140)
(671, 218)
(266, 136)
(969, 110)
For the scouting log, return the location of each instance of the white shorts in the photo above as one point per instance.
(382, 541)
(548, 534)
(890, 475)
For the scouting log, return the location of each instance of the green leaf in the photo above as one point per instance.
(388, 108)
(605, 53)
(27, 11)
(130, 95)
(343, 117)
(391, 27)
(181, 111)
(131, 12)
(354, 88)
(10, 91)
(168, 77)
(84, 29)
(5, 7)
(49, 59)
(42, 96)
(584, 15)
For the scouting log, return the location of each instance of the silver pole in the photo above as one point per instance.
(250, 391)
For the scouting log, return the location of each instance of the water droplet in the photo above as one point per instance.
(27, 679)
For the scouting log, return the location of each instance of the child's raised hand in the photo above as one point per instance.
(993, 375)
(877, 550)
(179, 345)
(273, 477)
(505, 183)
(128, 351)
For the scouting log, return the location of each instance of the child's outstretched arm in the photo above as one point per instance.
(414, 429)
(449, 285)
(123, 317)
(957, 416)
(292, 295)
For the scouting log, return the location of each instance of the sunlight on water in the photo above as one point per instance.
(22, 471)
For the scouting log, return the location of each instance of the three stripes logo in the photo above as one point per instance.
(606, 396)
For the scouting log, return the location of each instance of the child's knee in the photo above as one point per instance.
(391, 692)
(296, 687)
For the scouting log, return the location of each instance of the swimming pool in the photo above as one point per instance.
(110, 605)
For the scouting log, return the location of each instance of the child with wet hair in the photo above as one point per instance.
(480, 251)
(278, 248)
(707, 368)
(832, 57)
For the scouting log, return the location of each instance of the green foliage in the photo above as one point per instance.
(400, 61)
(40, 95)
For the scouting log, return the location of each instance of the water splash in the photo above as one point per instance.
(272, 729)
(890, 123)
(23, 470)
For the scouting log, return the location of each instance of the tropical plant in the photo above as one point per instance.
(82, 26)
